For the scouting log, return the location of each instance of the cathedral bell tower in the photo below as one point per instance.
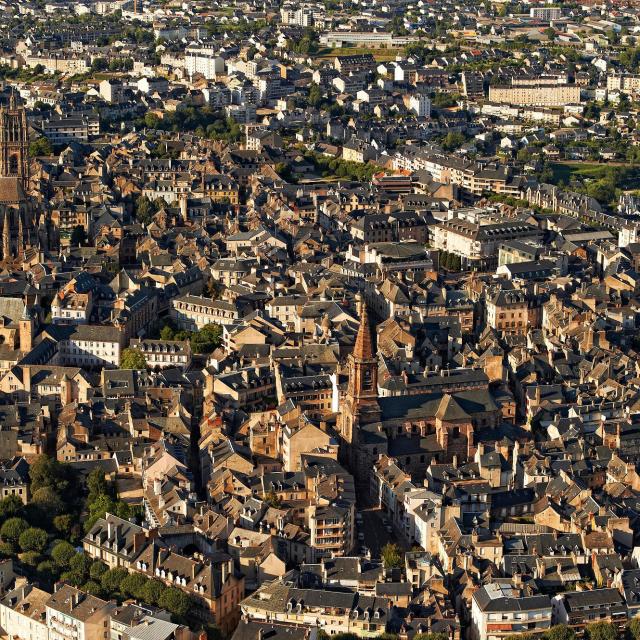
(360, 405)
(14, 143)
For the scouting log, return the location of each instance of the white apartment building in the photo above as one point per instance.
(546, 13)
(499, 611)
(91, 346)
(162, 354)
(203, 60)
(420, 105)
(194, 312)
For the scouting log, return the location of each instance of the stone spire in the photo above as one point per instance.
(20, 237)
(363, 348)
(6, 238)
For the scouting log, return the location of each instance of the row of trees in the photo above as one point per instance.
(329, 167)
(595, 631)
(203, 121)
(205, 340)
(450, 261)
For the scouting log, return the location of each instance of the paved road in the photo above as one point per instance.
(375, 534)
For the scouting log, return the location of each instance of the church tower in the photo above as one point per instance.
(14, 143)
(360, 406)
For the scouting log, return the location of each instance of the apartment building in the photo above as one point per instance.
(23, 614)
(71, 128)
(331, 528)
(74, 615)
(162, 354)
(546, 13)
(624, 82)
(89, 345)
(478, 244)
(581, 608)
(194, 312)
(508, 311)
(203, 60)
(500, 610)
(547, 95)
(333, 611)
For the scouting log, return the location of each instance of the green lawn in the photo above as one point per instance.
(565, 171)
(379, 54)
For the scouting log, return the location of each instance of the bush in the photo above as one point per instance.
(33, 539)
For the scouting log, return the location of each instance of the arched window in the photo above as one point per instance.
(13, 163)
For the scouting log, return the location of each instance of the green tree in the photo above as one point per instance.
(81, 563)
(10, 506)
(30, 558)
(49, 500)
(12, 529)
(207, 339)
(48, 570)
(99, 64)
(601, 631)
(48, 472)
(33, 539)
(272, 499)
(112, 579)
(560, 632)
(453, 140)
(63, 525)
(151, 120)
(133, 585)
(167, 333)
(391, 555)
(133, 359)
(176, 601)
(315, 95)
(97, 570)
(40, 147)
(97, 485)
(62, 553)
(633, 628)
(78, 236)
(152, 591)
(144, 210)
(94, 588)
